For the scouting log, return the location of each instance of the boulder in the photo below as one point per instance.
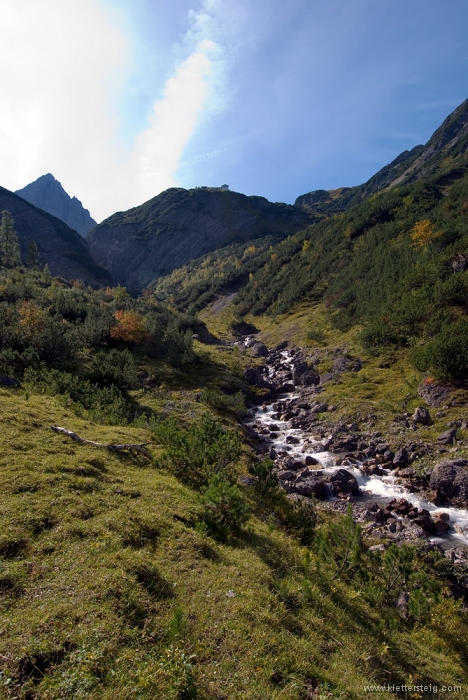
(299, 368)
(447, 437)
(401, 458)
(434, 393)
(286, 475)
(450, 480)
(422, 415)
(343, 481)
(343, 363)
(441, 526)
(311, 486)
(310, 378)
(259, 350)
(254, 377)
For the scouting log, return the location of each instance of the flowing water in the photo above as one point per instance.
(382, 487)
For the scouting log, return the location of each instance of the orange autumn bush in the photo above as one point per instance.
(130, 327)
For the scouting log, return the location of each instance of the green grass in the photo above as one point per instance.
(108, 588)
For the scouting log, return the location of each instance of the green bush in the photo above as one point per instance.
(303, 519)
(195, 454)
(114, 367)
(447, 355)
(265, 480)
(232, 403)
(103, 405)
(224, 509)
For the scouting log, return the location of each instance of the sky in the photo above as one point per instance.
(122, 99)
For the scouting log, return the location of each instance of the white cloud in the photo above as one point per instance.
(63, 67)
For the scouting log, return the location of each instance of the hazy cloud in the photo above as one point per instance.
(64, 65)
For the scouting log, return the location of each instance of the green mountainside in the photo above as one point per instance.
(385, 263)
(153, 541)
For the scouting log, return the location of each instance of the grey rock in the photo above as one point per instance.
(286, 475)
(450, 480)
(441, 526)
(259, 350)
(310, 378)
(436, 394)
(402, 604)
(254, 377)
(447, 437)
(401, 458)
(343, 482)
(377, 548)
(312, 486)
(422, 415)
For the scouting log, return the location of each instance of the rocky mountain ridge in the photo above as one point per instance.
(48, 194)
(59, 246)
(140, 245)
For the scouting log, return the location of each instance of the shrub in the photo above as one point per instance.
(114, 367)
(103, 405)
(447, 355)
(194, 455)
(303, 519)
(340, 546)
(225, 511)
(224, 402)
(264, 479)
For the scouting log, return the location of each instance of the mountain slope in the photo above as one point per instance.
(177, 226)
(48, 194)
(447, 146)
(62, 248)
(325, 203)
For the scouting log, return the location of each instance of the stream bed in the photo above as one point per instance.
(301, 454)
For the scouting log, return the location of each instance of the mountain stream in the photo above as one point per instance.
(382, 487)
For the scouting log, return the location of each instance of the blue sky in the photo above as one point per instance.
(121, 99)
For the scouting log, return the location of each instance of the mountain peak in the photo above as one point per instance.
(48, 194)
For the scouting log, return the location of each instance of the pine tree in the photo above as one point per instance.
(32, 259)
(10, 254)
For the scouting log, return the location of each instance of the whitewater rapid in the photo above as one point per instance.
(382, 487)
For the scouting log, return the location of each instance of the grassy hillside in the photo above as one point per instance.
(126, 577)
(111, 589)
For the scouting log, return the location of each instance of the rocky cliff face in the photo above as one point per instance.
(48, 194)
(445, 151)
(59, 246)
(141, 244)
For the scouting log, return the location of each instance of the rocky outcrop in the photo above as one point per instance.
(48, 194)
(62, 248)
(177, 226)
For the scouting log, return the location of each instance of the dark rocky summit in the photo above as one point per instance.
(140, 245)
(62, 248)
(48, 194)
